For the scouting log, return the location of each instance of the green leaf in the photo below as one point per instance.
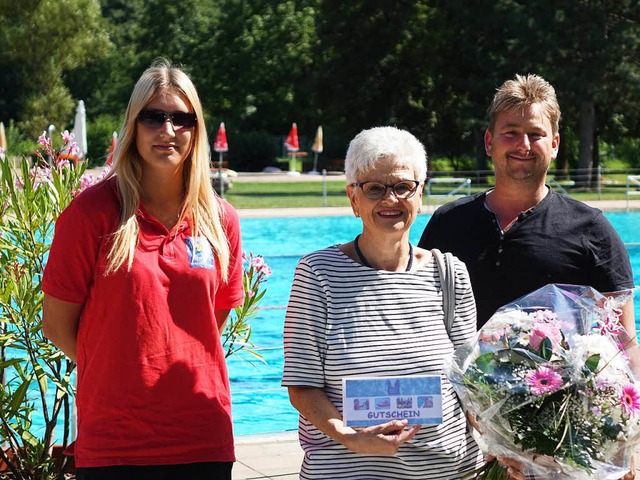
(592, 362)
(19, 395)
(486, 363)
(546, 349)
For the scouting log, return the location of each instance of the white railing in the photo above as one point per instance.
(460, 185)
(633, 186)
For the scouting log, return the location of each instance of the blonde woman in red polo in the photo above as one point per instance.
(143, 271)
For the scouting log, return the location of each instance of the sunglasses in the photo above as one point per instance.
(376, 190)
(157, 118)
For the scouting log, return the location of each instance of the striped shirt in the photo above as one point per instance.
(345, 319)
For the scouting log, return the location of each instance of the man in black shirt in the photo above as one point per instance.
(521, 235)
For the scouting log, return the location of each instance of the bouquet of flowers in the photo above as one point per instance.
(549, 382)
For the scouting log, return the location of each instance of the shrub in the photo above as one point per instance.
(252, 151)
(99, 133)
(628, 150)
(30, 365)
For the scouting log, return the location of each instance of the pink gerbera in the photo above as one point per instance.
(630, 399)
(544, 380)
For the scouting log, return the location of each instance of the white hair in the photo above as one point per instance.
(378, 143)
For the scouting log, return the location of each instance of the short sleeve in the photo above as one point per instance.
(70, 267)
(611, 264)
(305, 330)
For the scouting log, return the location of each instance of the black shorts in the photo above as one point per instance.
(191, 471)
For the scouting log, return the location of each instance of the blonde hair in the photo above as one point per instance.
(522, 92)
(200, 202)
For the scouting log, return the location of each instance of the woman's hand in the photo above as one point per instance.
(514, 468)
(383, 439)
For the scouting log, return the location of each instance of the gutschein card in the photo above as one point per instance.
(374, 400)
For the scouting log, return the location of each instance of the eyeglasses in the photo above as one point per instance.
(157, 118)
(376, 190)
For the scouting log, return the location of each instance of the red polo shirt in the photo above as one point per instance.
(152, 380)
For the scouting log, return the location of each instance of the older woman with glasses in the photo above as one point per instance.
(143, 271)
(373, 307)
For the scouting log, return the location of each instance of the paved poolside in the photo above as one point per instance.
(276, 456)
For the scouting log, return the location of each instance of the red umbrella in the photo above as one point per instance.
(291, 143)
(112, 147)
(221, 145)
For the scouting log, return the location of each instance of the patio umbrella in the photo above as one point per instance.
(221, 146)
(292, 146)
(3, 138)
(112, 147)
(80, 129)
(316, 148)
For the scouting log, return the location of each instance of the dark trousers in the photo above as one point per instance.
(190, 471)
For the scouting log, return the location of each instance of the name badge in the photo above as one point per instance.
(200, 253)
(374, 400)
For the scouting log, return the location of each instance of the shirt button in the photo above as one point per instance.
(498, 263)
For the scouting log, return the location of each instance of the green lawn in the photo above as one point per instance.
(309, 194)
(287, 194)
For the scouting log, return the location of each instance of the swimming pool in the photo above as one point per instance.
(260, 405)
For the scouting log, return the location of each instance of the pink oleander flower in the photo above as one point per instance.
(257, 262)
(2, 153)
(74, 149)
(542, 330)
(86, 181)
(630, 400)
(104, 173)
(44, 140)
(67, 137)
(266, 270)
(543, 380)
(62, 163)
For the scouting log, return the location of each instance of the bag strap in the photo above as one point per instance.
(447, 274)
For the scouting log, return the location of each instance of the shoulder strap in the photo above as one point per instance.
(448, 284)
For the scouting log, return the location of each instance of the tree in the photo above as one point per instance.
(596, 46)
(374, 66)
(36, 55)
(253, 61)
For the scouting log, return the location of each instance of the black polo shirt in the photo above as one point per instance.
(560, 240)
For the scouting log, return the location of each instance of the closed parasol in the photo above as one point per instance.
(80, 130)
(316, 148)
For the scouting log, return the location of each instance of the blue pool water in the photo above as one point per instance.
(260, 405)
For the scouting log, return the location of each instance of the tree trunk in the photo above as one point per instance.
(585, 155)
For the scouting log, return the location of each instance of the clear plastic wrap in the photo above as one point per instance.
(550, 383)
